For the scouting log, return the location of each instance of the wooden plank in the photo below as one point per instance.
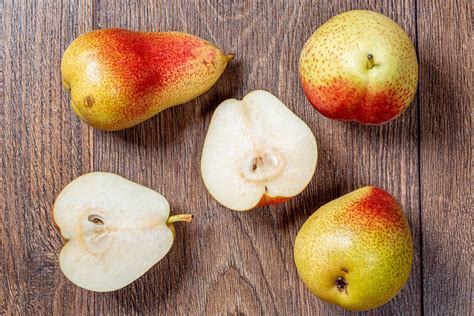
(44, 147)
(224, 262)
(228, 262)
(445, 52)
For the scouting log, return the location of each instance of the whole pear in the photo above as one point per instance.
(359, 66)
(119, 78)
(356, 251)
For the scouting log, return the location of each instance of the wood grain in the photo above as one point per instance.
(445, 143)
(45, 147)
(226, 262)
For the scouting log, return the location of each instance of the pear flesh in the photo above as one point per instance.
(257, 152)
(115, 230)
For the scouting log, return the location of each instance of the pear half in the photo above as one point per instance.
(257, 152)
(115, 230)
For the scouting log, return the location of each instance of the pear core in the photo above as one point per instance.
(262, 167)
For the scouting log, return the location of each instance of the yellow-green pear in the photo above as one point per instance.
(356, 251)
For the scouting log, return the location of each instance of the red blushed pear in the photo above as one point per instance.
(356, 251)
(359, 66)
(119, 78)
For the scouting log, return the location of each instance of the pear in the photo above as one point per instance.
(119, 78)
(359, 66)
(356, 251)
(115, 230)
(257, 152)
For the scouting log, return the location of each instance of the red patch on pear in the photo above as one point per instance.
(341, 100)
(145, 61)
(380, 206)
(270, 200)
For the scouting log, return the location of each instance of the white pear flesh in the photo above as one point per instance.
(256, 149)
(116, 230)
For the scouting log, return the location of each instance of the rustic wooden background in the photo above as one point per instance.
(226, 262)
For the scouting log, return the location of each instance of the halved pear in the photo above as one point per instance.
(257, 152)
(115, 230)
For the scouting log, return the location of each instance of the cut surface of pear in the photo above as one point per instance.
(257, 152)
(115, 230)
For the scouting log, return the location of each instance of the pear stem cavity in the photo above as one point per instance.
(179, 218)
(370, 61)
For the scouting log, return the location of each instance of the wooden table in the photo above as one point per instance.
(226, 262)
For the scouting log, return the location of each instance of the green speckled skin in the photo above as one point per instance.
(362, 237)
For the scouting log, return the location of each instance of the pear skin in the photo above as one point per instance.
(119, 78)
(359, 66)
(356, 251)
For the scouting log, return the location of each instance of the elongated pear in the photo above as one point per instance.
(119, 78)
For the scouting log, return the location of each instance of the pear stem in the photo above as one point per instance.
(370, 61)
(179, 218)
(230, 56)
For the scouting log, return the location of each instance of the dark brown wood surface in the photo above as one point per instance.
(226, 262)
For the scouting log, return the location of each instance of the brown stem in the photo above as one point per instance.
(370, 61)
